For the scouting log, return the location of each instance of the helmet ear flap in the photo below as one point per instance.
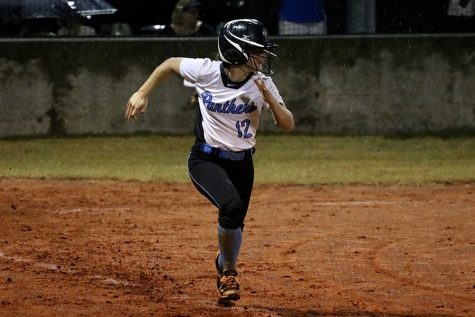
(235, 56)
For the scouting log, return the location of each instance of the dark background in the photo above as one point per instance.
(401, 16)
(392, 16)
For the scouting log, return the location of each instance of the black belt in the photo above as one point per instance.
(230, 155)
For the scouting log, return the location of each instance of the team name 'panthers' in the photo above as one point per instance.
(227, 107)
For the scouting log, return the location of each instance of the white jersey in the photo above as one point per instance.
(230, 111)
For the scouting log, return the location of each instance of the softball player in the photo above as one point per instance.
(231, 94)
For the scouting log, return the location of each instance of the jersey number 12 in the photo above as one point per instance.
(242, 128)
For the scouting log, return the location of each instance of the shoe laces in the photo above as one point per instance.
(229, 281)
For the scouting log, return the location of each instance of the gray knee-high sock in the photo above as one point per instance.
(229, 245)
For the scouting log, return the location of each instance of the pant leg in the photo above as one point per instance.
(242, 176)
(227, 184)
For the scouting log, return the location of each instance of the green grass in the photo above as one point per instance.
(279, 159)
(367, 160)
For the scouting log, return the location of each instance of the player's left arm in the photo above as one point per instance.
(282, 116)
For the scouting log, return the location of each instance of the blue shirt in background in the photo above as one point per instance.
(302, 11)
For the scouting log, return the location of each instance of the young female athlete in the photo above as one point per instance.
(231, 94)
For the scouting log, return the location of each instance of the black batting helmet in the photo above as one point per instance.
(238, 39)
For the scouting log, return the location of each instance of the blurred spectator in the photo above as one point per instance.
(185, 21)
(115, 29)
(302, 17)
(75, 28)
(461, 16)
(461, 8)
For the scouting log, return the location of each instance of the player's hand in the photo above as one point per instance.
(137, 104)
(264, 91)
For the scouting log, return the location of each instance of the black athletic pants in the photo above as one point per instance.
(226, 183)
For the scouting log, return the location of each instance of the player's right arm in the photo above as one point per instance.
(138, 102)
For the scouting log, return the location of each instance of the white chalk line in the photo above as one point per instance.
(360, 203)
(321, 203)
(62, 269)
(92, 209)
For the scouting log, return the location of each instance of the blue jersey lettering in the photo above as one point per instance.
(227, 107)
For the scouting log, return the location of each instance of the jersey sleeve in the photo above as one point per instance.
(273, 89)
(192, 68)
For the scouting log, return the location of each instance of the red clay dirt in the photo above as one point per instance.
(107, 248)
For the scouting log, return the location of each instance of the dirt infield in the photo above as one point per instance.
(104, 248)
